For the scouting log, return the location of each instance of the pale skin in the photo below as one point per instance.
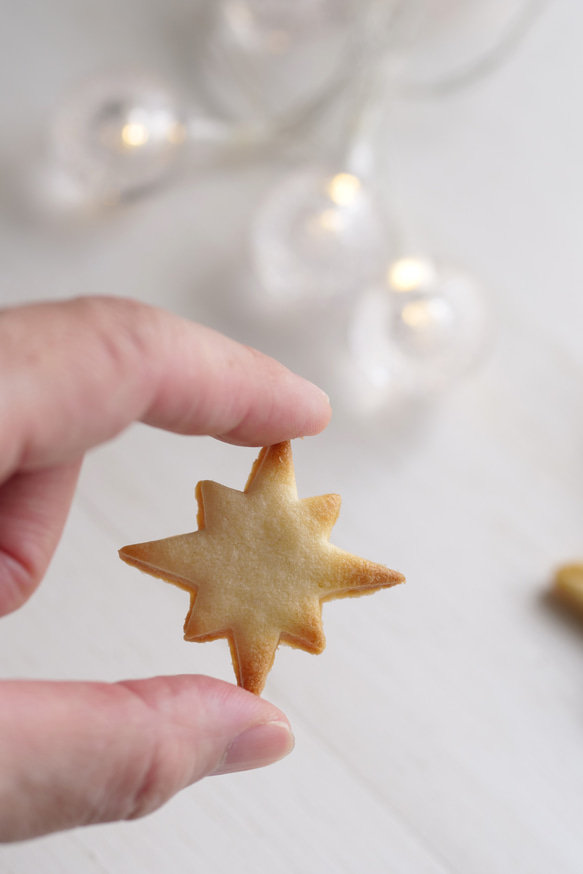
(73, 375)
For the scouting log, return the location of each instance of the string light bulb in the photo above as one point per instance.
(410, 274)
(317, 237)
(267, 62)
(419, 330)
(343, 188)
(134, 135)
(118, 135)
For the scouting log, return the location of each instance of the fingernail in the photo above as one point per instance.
(256, 747)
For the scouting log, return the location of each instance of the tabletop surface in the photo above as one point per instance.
(442, 729)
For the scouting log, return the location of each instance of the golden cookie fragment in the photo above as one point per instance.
(260, 566)
(568, 586)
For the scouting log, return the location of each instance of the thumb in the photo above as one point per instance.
(78, 753)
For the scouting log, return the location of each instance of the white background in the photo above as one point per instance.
(442, 729)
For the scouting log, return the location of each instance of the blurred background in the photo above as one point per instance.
(387, 196)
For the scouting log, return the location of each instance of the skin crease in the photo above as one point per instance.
(73, 375)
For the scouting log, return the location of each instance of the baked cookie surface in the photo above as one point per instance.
(260, 566)
(568, 586)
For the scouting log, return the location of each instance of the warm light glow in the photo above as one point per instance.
(424, 314)
(343, 188)
(409, 274)
(329, 221)
(416, 314)
(177, 134)
(134, 135)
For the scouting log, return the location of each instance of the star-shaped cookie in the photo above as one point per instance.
(568, 586)
(260, 566)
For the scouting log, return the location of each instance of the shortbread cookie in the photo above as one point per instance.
(260, 566)
(568, 585)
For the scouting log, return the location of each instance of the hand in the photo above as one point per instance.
(73, 375)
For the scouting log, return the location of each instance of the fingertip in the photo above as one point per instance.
(258, 746)
(288, 407)
(81, 753)
(229, 728)
(321, 409)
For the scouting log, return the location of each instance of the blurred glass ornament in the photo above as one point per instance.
(443, 45)
(115, 137)
(264, 64)
(419, 331)
(321, 234)
(317, 236)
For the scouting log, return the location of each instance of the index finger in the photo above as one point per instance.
(76, 373)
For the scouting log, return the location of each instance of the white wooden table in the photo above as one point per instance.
(442, 729)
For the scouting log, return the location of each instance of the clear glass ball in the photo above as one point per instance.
(118, 135)
(318, 236)
(262, 61)
(444, 44)
(420, 330)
